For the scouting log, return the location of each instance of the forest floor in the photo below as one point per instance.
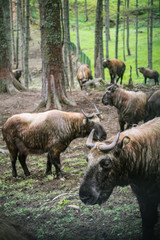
(50, 208)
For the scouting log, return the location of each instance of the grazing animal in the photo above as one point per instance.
(116, 67)
(50, 132)
(84, 74)
(17, 74)
(149, 73)
(130, 105)
(131, 158)
(153, 106)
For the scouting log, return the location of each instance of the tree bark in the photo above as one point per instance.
(53, 85)
(77, 29)
(128, 48)
(12, 33)
(17, 38)
(136, 48)
(98, 49)
(117, 29)
(86, 13)
(27, 36)
(7, 81)
(150, 35)
(124, 26)
(106, 6)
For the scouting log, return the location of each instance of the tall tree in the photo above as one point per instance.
(124, 28)
(17, 37)
(128, 48)
(77, 28)
(150, 35)
(136, 48)
(117, 29)
(7, 82)
(86, 12)
(106, 7)
(12, 33)
(66, 45)
(98, 49)
(27, 36)
(53, 85)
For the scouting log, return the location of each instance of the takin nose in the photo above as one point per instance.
(104, 100)
(88, 196)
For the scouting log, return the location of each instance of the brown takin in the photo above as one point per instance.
(149, 73)
(153, 106)
(84, 74)
(130, 105)
(116, 68)
(131, 158)
(47, 132)
(17, 74)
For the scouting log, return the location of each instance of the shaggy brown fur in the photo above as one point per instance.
(116, 67)
(134, 159)
(153, 106)
(84, 74)
(50, 132)
(149, 73)
(130, 105)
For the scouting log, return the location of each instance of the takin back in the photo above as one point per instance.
(131, 158)
(47, 132)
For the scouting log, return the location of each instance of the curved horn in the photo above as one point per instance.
(89, 142)
(97, 110)
(111, 146)
(87, 115)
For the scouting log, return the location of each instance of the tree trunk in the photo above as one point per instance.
(150, 35)
(27, 36)
(117, 29)
(17, 39)
(7, 81)
(12, 33)
(86, 13)
(106, 6)
(22, 30)
(77, 29)
(136, 48)
(67, 46)
(53, 84)
(98, 49)
(124, 26)
(128, 48)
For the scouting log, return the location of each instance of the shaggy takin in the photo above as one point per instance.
(50, 132)
(130, 105)
(17, 73)
(84, 74)
(131, 158)
(116, 67)
(153, 106)
(151, 74)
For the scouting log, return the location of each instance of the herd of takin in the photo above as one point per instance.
(132, 157)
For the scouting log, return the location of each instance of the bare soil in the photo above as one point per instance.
(50, 208)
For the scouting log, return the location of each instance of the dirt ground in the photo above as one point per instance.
(50, 208)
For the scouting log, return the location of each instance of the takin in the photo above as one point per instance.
(130, 105)
(130, 158)
(47, 132)
(148, 73)
(84, 74)
(153, 106)
(17, 74)
(116, 67)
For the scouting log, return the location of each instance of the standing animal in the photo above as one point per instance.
(131, 158)
(149, 73)
(153, 106)
(130, 105)
(50, 132)
(84, 74)
(116, 67)
(17, 73)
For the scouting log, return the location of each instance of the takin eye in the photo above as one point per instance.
(106, 163)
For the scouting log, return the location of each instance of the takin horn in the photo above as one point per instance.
(89, 142)
(110, 146)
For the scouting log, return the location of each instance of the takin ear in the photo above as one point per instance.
(124, 142)
(84, 121)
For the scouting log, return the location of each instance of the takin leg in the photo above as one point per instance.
(22, 159)
(13, 156)
(49, 165)
(121, 123)
(55, 160)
